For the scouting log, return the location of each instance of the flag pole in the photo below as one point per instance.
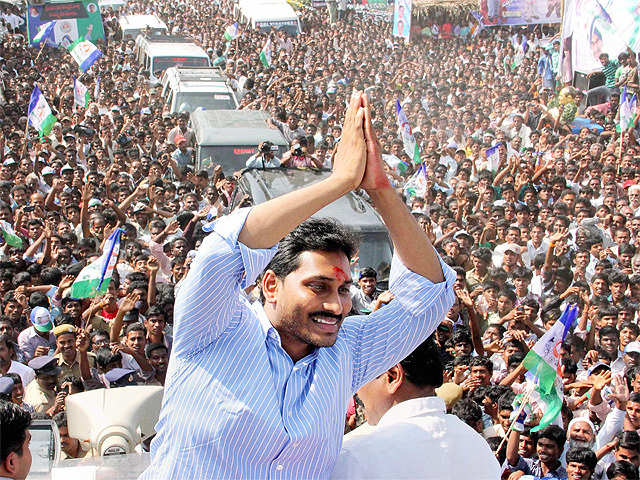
(620, 154)
(26, 128)
(523, 404)
(44, 42)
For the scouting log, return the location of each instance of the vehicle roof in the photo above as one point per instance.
(165, 49)
(196, 73)
(141, 21)
(213, 87)
(234, 127)
(350, 209)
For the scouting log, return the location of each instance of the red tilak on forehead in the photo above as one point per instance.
(340, 275)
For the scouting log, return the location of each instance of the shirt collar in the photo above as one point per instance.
(416, 407)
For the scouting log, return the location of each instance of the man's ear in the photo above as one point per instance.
(270, 286)
(10, 463)
(395, 377)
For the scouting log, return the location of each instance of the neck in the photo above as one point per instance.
(153, 338)
(550, 467)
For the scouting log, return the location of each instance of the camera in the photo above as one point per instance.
(297, 149)
(268, 147)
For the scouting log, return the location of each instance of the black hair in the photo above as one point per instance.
(482, 362)
(468, 411)
(462, 336)
(75, 381)
(628, 470)
(584, 456)
(154, 311)
(515, 359)
(609, 331)
(60, 419)
(368, 272)
(629, 439)
(135, 327)
(13, 429)
(150, 348)
(553, 433)
(505, 402)
(105, 356)
(423, 366)
(325, 235)
(569, 365)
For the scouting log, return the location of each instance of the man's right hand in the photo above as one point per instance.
(41, 351)
(351, 157)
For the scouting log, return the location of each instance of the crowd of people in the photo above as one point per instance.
(551, 219)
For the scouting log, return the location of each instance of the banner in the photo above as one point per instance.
(73, 20)
(402, 18)
(520, 12)
(625, 17)
(587, 32)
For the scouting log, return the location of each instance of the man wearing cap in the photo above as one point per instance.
(183, 155)
(181, 130)
(120, 377)
(630, 358)
(413, 437)
(41, 393)
(38, 339)
(73, 357)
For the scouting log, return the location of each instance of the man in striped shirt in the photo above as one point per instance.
(602, 94)
(261, 391)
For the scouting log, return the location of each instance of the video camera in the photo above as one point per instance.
(268, 147)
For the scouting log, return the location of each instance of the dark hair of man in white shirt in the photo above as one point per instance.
(416, 376)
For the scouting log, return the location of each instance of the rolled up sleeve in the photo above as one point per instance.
(380, 340)
(207, 300)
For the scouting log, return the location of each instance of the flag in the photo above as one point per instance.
(410, 146)
(9, 235)
(477, 28)
(231, 32)
(94, 279)
(416, 186)
(84, 52)
(80, 93)
(543, 363)
(394, 162)
(45, 32)
(493, 157)
(40, 116)
(96, 88)
(265, 53)
(627, 111)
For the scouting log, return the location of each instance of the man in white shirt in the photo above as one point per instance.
(413, 437)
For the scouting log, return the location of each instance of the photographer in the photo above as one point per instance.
(298, 157)
(264, 157)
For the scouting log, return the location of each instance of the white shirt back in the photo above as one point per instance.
(417, 439)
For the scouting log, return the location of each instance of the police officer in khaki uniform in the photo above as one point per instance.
(41, 393)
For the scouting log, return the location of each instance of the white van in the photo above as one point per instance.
(188, 89)
(159, 52)
(133, 25)
(264, 14)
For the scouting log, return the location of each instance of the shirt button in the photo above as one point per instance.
(296, 444)
(279, 467)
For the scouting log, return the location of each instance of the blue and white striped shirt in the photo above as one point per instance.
(235, 404)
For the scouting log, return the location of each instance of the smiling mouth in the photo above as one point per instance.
(327, 324)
